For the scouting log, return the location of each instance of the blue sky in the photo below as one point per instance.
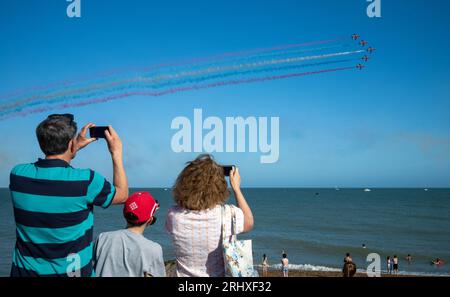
(386, 126)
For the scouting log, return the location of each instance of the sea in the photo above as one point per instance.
(316, 227)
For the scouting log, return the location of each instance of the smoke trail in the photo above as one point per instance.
(220, 75)
(170, 64)
(174, 90)
(218, 62)
(179, 75)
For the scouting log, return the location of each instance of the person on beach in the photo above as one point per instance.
(349, 268)
(389, 265)
(195, 222)
(265, 265)
(54, 202)
(395, 264)
(285, 265)
(127, 252)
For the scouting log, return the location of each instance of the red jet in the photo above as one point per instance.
(363, 43)
(355, 36)
(360, 66)
(370, 50)
(365, 58)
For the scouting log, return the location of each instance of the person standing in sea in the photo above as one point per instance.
(409, 258)
(285, 265)
(389, 263)
(265, 265)
(395, 264)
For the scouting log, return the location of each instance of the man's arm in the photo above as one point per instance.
(119, 177)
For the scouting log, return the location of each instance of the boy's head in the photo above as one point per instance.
(140, 209)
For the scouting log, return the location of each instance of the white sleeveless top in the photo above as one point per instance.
(196, 237)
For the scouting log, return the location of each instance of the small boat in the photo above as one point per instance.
(367, 190)
(425, 189)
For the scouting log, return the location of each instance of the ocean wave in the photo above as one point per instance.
(304, 267)
(310, 267)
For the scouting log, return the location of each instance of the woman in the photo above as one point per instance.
(265, 265)
(195, 222)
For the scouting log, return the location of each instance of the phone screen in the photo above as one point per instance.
(97, 131)
(227, 169)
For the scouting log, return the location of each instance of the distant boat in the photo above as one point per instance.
(336, 188)
(165, 189)
(367, 190)
(425, 189)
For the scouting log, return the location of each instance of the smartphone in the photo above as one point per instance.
(227, 169)
(97, 131)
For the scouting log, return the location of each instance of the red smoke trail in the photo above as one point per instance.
(174, 90)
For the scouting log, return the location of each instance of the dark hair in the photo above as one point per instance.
(131, 219)
(284, 256)
(264, 256)
(55, 132)
(348, 254)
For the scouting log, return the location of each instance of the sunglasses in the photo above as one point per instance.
(67, 116)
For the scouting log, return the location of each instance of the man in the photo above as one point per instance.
(127, 252)
(53, 202)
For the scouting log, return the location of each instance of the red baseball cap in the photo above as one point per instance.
(142, 205)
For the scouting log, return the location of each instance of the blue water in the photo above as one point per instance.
(316, 227)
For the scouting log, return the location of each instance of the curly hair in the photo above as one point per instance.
(201, 184)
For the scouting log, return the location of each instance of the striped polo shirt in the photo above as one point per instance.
(53, 209)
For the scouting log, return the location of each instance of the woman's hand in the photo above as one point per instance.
(235, 179)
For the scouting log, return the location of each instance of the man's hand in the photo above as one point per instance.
(114, 142)
(82, 139)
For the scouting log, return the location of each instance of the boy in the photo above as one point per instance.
(127, 252)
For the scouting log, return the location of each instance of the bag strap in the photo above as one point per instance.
(233, 223)
(223, 222)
